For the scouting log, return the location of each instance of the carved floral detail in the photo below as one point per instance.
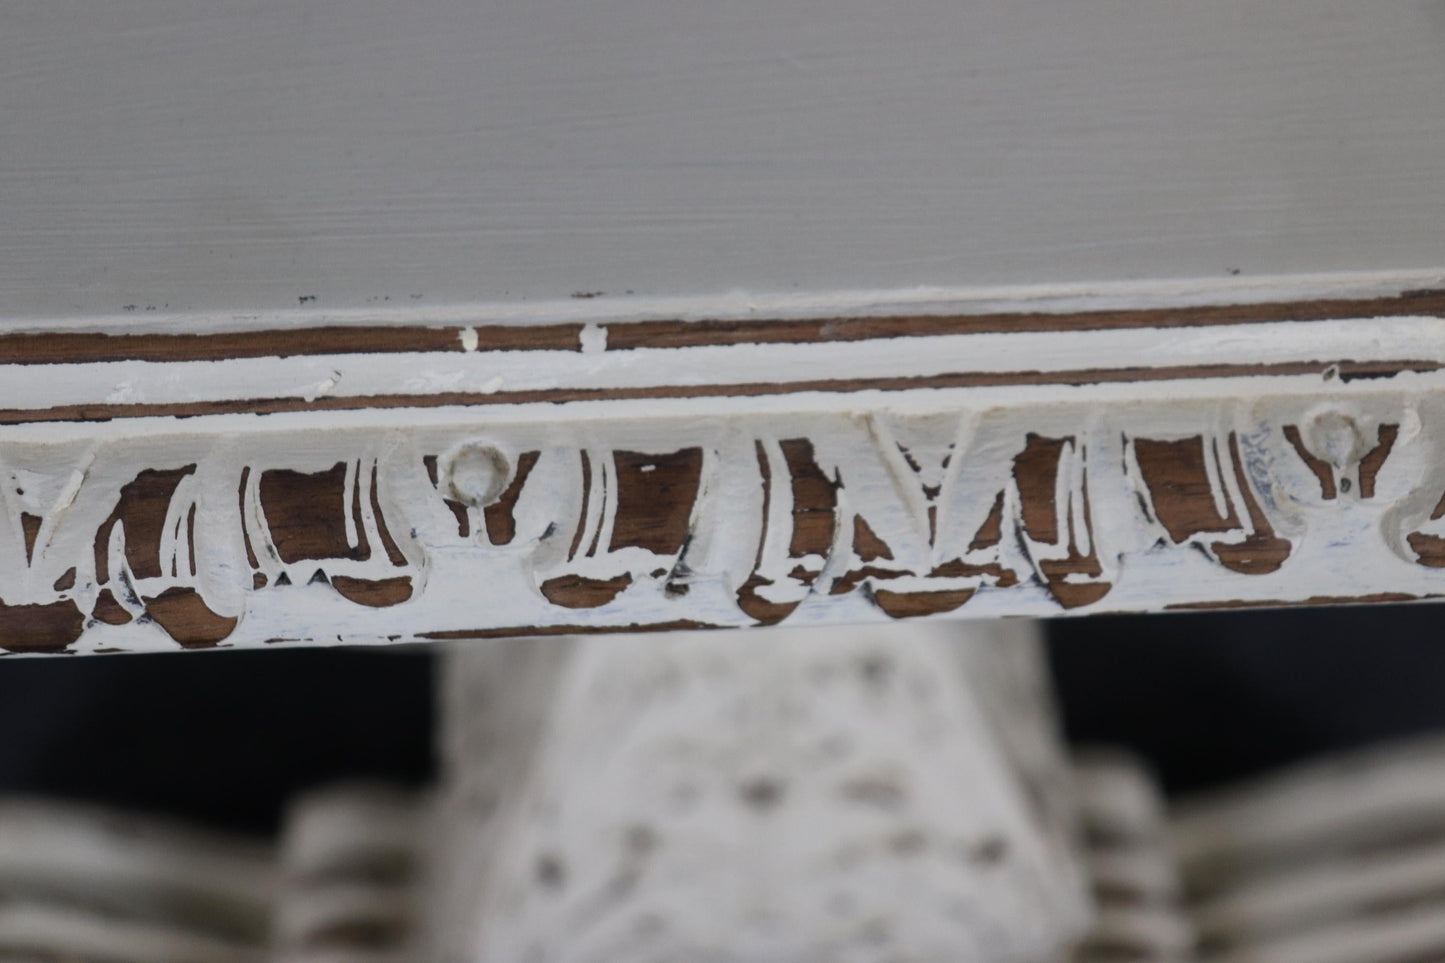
(910, 516)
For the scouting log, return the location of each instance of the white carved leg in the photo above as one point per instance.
(86, 884)
(805, 795)
(1335, 862)
(1137, 890)
(353, 861)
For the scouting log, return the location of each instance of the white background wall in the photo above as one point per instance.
(237, 156)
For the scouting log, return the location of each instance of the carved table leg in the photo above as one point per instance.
(353, 863)
(1330, 862)
(791, 795)
(88, 884)
(1136, 884)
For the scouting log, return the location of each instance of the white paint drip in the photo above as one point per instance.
(609, 502)
(594, 495)
(1083, 537)
(1212, 472)
(370, 523)
(593, 338)
(1231, 480)
(348, 502)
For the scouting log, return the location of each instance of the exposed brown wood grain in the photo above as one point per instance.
(656, 494)
(184, 615)
(683, 334)
(851, 579)
(758, 608)
(48, 627)
(108, 610)
(191, 536)
(517, 631)
(654, 502)
(958, 568)
(907, 605)
(376, 593)
(1293, 603)
(89, 347)
(393, 552)
(1429, 549)
(1319, 466)
(1073, 580)
(1179, 488)
(1374, 460)
(812, 523)
(1036, 471)
(866, 543)
(815, 501)
(458, 509)
(655, 497)
(1261, 551)
(241, 505)
(582, 512)
(306, 514)
(1178, 483)
(990, 533)
(499, 516)
(30, 527)
(1072, 595)
(141, 512)
(579, 592)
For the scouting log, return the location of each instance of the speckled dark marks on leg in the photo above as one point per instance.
(988, 852)
(551, 871)
(876, 671)
(762, 794)
(879, 792)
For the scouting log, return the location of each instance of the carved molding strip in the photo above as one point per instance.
(896, 473)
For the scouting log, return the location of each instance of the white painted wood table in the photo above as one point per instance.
(368, 322)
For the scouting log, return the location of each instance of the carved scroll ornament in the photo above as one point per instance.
(172, 517)
(352, 534)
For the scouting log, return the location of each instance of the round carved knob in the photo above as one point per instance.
(477, 473)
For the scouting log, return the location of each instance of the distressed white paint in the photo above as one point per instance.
(376, 376)
(467, 583)
(362, 375)
(838, 795)
(69, 473)
(239, 158)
